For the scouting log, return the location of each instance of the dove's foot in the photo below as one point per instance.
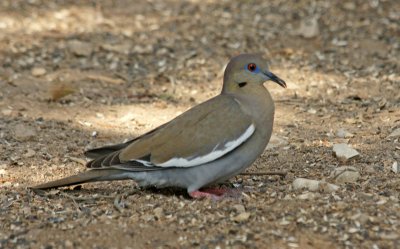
(215, 193)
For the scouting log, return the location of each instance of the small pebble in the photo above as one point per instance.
(3, 172)
(239, 208)
(80, 48)
(29, 153)
(312, 111)
(38, 71)
(313, 185)
(24, 133)
(276, 142)
(158, 212)
(241, 217)
(307, 196)
(344, 152)
(309, 28)
(345, 174)
(395, 133)
(395, 168)
(6, 112)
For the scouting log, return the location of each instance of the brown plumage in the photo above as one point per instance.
(209, 143)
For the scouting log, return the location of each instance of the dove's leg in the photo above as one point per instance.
(215, 193)
(200, 195)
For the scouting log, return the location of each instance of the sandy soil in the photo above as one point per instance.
(78, 74)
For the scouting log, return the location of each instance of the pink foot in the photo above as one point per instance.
(215, 193)
(200, 195)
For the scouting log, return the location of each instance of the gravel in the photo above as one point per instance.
(139, 65)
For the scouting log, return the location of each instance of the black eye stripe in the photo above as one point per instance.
(242, 84)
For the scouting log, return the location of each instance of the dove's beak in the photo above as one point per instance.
(276, 79)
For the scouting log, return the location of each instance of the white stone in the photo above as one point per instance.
(395, 133)
(24, 133)
(313, 185)
(395, 167)
(239, 208)
(241, 217)
(307, 196)
(38, 71)
(345, 174)
(29, 153)
(275, 142)
(344, 151)
(309, 28)
(80, 48)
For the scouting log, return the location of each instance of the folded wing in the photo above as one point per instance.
(198, 136)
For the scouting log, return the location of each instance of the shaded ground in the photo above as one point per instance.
(132, 66)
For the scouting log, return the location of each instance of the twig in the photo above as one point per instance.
(117, 202)
(83, 198)
(105, 79)
(73, 200)
(129, 192)
(77, 160)
(279, 173)
(119, 197)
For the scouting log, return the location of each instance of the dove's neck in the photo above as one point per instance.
(257, 102)
(255, 99)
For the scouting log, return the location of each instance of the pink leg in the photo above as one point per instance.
(215, 193)
(200, 195)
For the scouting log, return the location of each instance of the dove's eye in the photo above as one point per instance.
(252, 67)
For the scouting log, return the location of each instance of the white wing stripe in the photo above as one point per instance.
(145, 163)
(214, 154)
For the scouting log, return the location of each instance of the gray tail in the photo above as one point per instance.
(88, 176)
(102, 151)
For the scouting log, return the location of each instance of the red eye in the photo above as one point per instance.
(252, 67)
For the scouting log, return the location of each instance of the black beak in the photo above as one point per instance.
(276, 79)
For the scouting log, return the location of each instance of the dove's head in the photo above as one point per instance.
(247, 70)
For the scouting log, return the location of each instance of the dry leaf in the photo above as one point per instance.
(61, 90)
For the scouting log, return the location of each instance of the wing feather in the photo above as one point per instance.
(200, 135)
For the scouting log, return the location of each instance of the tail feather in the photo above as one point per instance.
(105, 150)
(88, 176)
(102, 151)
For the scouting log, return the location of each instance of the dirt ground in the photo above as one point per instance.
(80, 74)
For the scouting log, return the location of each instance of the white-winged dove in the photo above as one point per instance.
(207, 144)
